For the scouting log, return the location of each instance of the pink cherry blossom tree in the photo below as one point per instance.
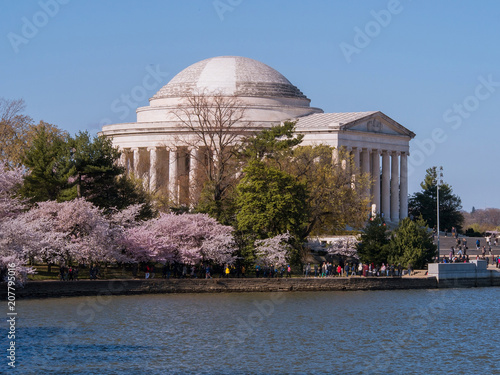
(344, 246)
(73, 231)
(186, 238)
(12, 251)
(272, 250)
(9, 181)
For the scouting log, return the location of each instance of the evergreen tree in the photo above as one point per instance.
(91, 166)
(43, 162)
(411, 243)
(424, 203)
(272, 143)
(374, 241)
(63, 168)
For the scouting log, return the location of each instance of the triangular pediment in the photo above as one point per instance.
(367, 122)
(377, 122)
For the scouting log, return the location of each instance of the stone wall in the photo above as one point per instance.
(473, 274)
(45, 289)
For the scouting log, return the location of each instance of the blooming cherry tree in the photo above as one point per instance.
(272, 250)
(187, 238)
(9, 180)
(14, 240)
(344, 246)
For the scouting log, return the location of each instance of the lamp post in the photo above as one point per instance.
(439, 180)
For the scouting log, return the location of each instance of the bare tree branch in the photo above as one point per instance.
(213, 123)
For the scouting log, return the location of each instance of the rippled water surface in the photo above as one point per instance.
(452, 331)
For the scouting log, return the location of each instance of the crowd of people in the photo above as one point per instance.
(191, 271)
(273, 271)
(325, 269)
(328, 269)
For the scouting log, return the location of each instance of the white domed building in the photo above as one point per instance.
(152, 146)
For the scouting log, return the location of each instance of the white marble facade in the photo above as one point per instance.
(152, 150)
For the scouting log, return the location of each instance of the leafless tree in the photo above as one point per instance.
(14, 127)
(212, 123)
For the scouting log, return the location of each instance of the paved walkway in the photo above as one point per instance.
(445, 244)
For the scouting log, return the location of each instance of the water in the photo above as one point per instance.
(450, 331)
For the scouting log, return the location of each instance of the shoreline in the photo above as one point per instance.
(55, 289)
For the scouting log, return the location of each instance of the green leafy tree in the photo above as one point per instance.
(270, 202)
(335, 201)
(424, 203)
(223, 210)
(411, 243)
(373, 247)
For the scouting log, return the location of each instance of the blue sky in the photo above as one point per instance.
(432, 66)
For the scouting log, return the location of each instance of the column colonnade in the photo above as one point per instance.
(176, 169)
(388, 170)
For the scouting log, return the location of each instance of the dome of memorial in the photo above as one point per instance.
(230, 75)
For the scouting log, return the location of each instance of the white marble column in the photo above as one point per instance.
(193, 170)
(122, 162)
(386, 183)
(127, 163)
(365, 166)
(346, 159)
(395, 187)
(335, 156)
(136, 161)
(403, 187)
(356, 157)
(152, 169)
(376, 180)
(173, 178)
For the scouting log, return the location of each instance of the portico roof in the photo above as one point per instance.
(351, 121)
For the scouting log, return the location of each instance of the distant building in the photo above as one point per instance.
(378, 144)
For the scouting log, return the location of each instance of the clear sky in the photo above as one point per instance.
(433, 66)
